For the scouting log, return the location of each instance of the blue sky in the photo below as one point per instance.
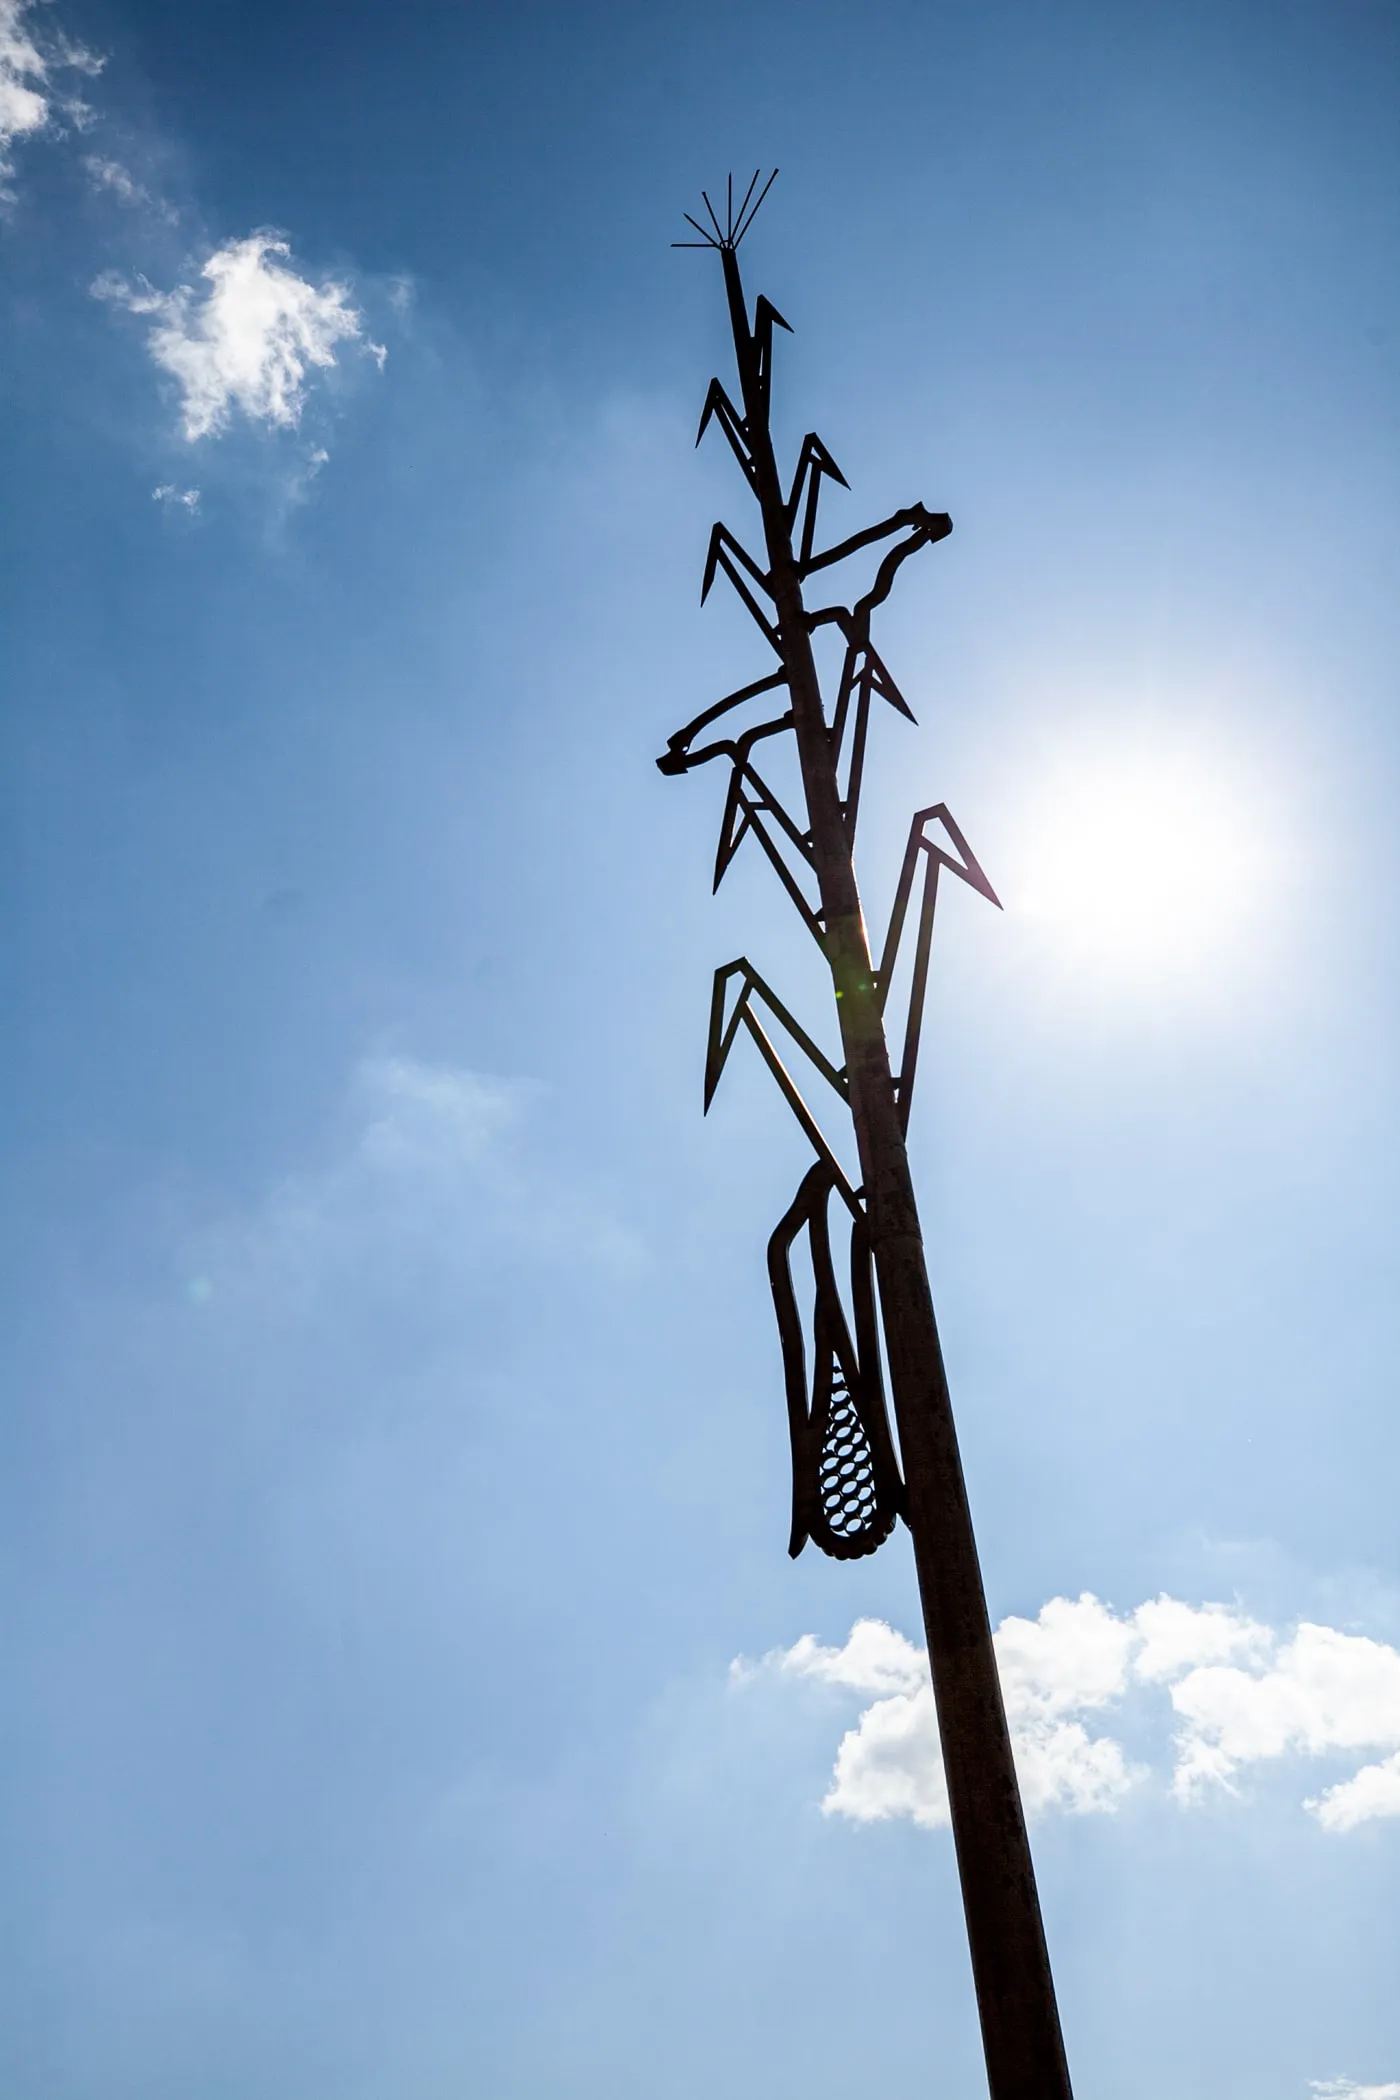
(409, 1695)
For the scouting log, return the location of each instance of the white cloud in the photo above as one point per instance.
(179, 499)
(1374, 1792)
(23, 73)
(1239, 1693)
(27, 99)
(1069, 1661)
(250, 341)
(1348, 2089)
(1177, 1637)
(890, 1764)
(1322, 1691)
(1074, 1657)
(874, 1659)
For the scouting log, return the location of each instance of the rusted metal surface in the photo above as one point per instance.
(848, 1488)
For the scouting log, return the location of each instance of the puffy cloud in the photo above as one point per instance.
(1073, 1658)
(874, 1659)
(1239, 1693)
(1348, 2089)
(250, 340)
(1374, 1792)
(27, 100)
(1068, 1662)
(890, 1764)
(1319, 1692)
(1178, 1637)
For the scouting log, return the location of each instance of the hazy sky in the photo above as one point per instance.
(408, 1693)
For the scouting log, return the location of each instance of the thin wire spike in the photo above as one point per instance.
(741, 230)
(736, 224)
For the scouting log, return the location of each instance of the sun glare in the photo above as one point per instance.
(1153, 862)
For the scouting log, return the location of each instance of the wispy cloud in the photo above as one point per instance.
(249, 341)
(111, 175)
(114, 179)
(1241, 1694)
(175, 498)
(1348, 2089)
(29, 101)
(434, 1179)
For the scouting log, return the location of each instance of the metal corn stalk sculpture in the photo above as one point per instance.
(848, 1486)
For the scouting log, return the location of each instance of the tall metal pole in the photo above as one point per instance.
(1025, 2054)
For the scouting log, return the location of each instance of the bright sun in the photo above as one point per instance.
(1152, 861)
